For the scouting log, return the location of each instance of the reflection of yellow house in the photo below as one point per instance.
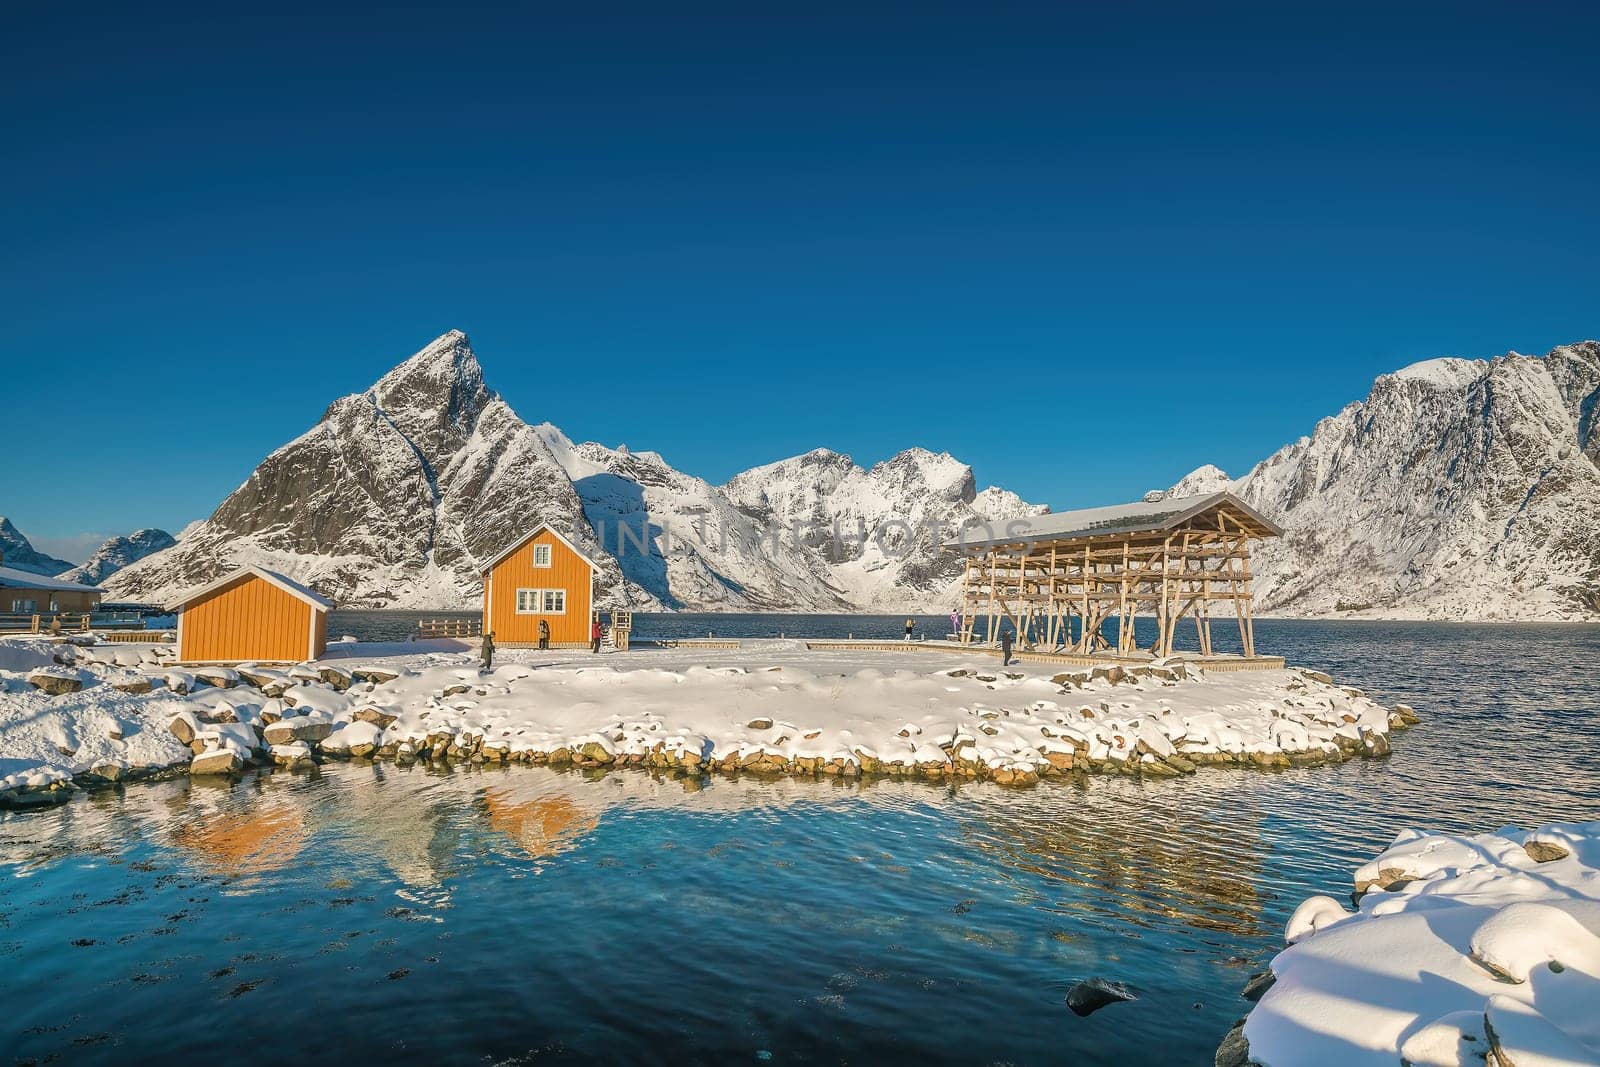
(540, 827)
(248, 842)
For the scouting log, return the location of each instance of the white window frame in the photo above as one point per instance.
(543, 550)
(24, 607)
(542, 600)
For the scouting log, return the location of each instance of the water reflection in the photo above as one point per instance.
(242, 843)
(540, 826)
(1124, 854)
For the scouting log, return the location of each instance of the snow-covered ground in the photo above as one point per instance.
(767, 706)
(1464, 950)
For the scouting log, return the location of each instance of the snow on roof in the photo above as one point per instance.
(11, 578)
(1138, 517)
(524, 539)
(288, 585)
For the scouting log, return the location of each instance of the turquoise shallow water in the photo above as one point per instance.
(523, 915)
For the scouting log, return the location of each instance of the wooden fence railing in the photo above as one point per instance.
(43, 622)
(449, 628)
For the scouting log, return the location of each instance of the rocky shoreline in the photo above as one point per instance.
(963, 723)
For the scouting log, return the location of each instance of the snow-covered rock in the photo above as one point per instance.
(1476, 950)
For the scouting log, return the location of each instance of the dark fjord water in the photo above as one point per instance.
(522, 915)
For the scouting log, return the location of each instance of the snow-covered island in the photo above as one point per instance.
(1463, 950)
(73, 714)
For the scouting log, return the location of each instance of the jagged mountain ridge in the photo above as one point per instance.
(397, 494)
(18, 553)
(1458, 489)
(118, 552)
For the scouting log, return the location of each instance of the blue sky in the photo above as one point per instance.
(1083, 247)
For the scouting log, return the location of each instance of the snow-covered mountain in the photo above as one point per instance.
(1461, 489)
(1457, 489)
(117, 553)
(390, 500)
(394, 498)
(19, 554)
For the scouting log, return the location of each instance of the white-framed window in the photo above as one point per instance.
(541, 601)
(25, 606)
(541, 555)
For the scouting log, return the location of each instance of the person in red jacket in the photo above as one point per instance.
(594, 636)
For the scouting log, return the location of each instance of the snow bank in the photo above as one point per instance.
(1463, 950)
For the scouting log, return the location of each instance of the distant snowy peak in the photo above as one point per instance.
(18, 553)
(117, 553)
(1198, 482)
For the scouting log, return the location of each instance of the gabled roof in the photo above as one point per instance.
(485, 568)
(11, 578)
(1140, 517)
(288, 585)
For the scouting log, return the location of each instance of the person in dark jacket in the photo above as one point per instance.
(544, 634)
(488, 651)
(594, 636)
(910, 625)
(1005, 648)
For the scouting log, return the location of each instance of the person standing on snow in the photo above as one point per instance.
(544, 634)
(594, 635)
(1005, 648)
(488, 651)
(910, 625)
(955, 622)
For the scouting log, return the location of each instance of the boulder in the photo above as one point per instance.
(375, 675)
(337, 677)
(1235, 1049)
(55, 681)
(288, 731)
(183, 727)
(132, 683)
(1089, 996)
(292, 755)
(217, 761)
(220, 677)
(758, 724)
(108, 770)
(1317, 676)
(377, 716)
(1545, 851)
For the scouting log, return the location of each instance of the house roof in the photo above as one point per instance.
(288, 585)
(11, 578)
(1140, 517)
(529, 536)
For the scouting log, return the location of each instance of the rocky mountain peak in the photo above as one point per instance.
(435, 396)
(19, 554)
(119, 552)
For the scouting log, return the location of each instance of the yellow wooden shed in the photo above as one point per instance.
(252, 614)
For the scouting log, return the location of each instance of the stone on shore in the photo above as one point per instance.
(299, 728)
(57, 681)
(217, 761)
